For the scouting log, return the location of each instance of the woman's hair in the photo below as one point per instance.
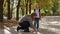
(33, 15)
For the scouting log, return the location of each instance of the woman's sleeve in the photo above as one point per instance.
(21, 19)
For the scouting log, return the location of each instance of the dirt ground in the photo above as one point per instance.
(8, 23)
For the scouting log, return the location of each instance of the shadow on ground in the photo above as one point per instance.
(46, 31)
(54, 26)
(12, 31)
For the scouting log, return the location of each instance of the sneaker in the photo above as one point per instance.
(35, 32)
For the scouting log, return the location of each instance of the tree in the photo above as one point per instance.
(12, 4)
(22, 6)
(22, 11)
(5, 12)
(1, 10)
(55, 6)
(17, 12)
(9, 12)
(26, 6)
(29, 6)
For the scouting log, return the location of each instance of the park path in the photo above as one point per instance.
(48, 25)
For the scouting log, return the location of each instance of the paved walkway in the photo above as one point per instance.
(48, 25)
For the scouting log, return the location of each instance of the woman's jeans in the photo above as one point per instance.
(36, 22)
(24, 25)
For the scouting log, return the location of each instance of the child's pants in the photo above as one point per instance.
(36, 23)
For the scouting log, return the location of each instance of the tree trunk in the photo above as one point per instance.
(9, 12)
(17, 12)
(26, 6)
(55, 6)
(22, 11)
(29, 6)
(1, 10)
(12, 7)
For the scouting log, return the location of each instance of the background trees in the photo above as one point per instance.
(1, 10)
(17, 12)
(17, 8)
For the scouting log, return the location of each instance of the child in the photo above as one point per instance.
(37, 17)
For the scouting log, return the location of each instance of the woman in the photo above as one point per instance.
(25, 22)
